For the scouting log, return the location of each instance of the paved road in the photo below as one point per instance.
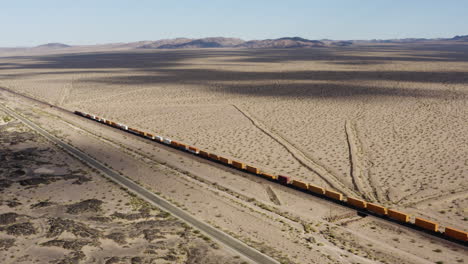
(223, 238)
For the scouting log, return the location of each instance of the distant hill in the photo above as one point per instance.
(183, 43)
(53, 46)
(294, 42)
(460, 38)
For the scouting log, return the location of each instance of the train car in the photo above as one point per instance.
(213, 156)
(284, 179)
(103, 120)
(316, 189)
(159, 139)
(252, 169)
(79, 113)
(182, 146)
(455, 233)
(268, 176)
(375, 208)
(174, 143)
(426, 224)
(300, 185)
(225, 160)
(356, 203)
(399, 216)
(204, 154)
(334, 195)
(239, 165)
(150, 136)
(193, 150)
(167, 141)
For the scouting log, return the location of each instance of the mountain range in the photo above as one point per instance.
(221, 42)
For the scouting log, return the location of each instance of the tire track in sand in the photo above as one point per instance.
(302, 158)
(358, 171)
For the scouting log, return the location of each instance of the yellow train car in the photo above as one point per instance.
(300, 185)
(268, 176)
(316, 189)
(356, 203)
(455, 233)
(375, 208)
(253, 169)
(399, 216)
(426, 224)
(225, 160)
(239, 165)
(334, 195)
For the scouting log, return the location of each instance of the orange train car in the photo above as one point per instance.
(204, 154)
(375, 208)
(334, 195)
(225, 160)
(182, 146)
(253, 169)
(399, 216)
(300, 185)
(284, 179)
(238, 165)
(455, 233)
(356, 203)
(150, 135)
(316, 189)
(426, 224)
(193, 149)
(174, 143)
(268, 176)
(213, 156)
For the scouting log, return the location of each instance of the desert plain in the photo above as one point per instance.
(382, 122)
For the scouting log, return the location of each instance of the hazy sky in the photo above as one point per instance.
(34, 22)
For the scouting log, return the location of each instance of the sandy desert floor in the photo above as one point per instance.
(386, 123)
(53, 209)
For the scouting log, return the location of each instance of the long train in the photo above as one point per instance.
(360, 205)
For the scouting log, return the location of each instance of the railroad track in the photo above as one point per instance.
(238, 246)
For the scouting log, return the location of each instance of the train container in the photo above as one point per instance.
(252, 169)
(174, 143)
(225, 160)
(93, 116)
(78, 113)
(124, 127)
(159, 138)
(103, 120)
(88, 115)
(238, 165)
(167, 141)
(334, 195)
(204, 154)
(142, 133)
(426, 224)
(149, 135)
(375, 208)
(114, 124)
(182, 146)
(193, 150)
(316, 189)
(213, 156)
(399, 216)
(108, 122)
(455, 233)
(356, 203)
(268, 176)
(284, 179)
(300, 185)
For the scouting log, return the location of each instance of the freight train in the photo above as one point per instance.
(363, 206)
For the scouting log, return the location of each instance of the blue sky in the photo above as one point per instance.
(34, 22)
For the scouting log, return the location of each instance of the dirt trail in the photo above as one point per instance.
(358, 171)
(302, 158)
(273, 197)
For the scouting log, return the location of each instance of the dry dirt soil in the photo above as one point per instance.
(387, 123)
(53, 209)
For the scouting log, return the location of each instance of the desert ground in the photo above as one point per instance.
(54, 209)
(383, 122)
